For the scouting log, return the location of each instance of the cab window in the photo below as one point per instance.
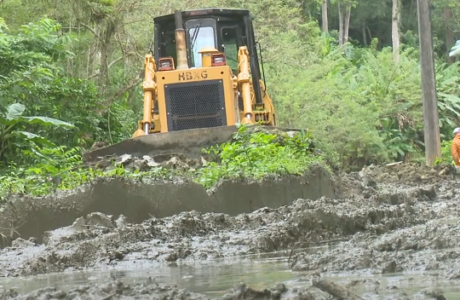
(168, 44)
(200, 37)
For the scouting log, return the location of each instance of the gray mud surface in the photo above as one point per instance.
(390, 219)
(154, 291)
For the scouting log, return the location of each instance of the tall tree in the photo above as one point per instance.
(395, 21)
(344, 10)
(325, 24)
(104, 19)
(449, 32)
(430, 108)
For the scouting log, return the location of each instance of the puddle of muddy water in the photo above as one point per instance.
(214, 278)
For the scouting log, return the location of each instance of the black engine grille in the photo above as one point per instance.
(195, 105)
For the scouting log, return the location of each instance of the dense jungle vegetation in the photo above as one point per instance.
(348, 70)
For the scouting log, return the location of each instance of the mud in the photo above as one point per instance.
(402, 218)
(99, 239)
(139, 200)
(152, 290)
(321, 289)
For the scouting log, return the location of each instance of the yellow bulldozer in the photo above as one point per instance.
(202, 77)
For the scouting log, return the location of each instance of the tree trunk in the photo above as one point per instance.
(363, 29)
(347, 23)
(103, 70)
(106, 33)
(324, 16)
(430, 109)
(395, 30)
(344, 21)
(340, 23)
(449, 33)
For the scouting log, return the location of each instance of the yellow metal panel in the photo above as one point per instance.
(196, 75)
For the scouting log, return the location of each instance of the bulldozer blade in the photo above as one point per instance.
(185, 142)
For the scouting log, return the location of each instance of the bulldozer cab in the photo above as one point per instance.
(223, 29)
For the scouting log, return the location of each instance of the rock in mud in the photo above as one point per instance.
(436, 294)
(146, 163)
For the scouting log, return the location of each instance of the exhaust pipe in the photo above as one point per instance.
(181, 48)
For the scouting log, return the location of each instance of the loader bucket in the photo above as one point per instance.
(185, 142)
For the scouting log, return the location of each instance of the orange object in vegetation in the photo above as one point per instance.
(455, 149)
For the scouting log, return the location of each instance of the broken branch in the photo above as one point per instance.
(335, 290)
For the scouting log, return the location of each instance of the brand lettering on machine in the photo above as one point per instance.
(189, 75)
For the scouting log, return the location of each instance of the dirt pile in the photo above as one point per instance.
(138, 201)
(112, 290)
(370, 179)
(430, 245)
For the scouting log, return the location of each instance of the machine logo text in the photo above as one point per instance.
(189, 75)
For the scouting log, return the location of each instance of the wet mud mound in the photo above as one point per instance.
(150, 290)
(429, 247)
(320, 289)
(371, 179)
(101, 240)
(140, 200)
(433, 246)
(113, 290)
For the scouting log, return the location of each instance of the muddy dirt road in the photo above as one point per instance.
(398, 219)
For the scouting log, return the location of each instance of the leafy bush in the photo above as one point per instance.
(33, 73)
(446, 156)
(257, 155)
(13, 135)
(362, 107)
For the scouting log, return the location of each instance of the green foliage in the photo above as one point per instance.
(32, 74)
(257, 155)
(362, 107)
(446, 156)
(61, 169)
(13, 135)
(448, 87)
